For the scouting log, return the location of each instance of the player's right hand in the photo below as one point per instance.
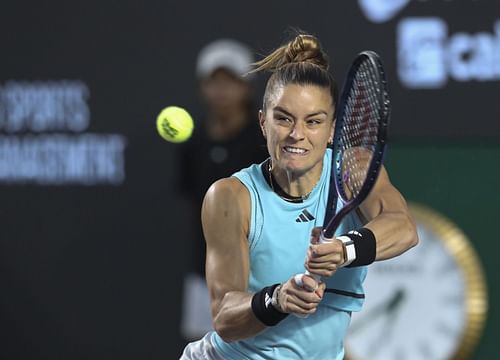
(301, 297)
(324, 258)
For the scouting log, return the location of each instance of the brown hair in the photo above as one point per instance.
(301, 61)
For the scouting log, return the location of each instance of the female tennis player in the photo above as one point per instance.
(261, 227)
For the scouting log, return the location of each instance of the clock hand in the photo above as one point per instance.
(396, 301)
(386, 307)
(385, 332)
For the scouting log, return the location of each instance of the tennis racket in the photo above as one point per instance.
(360, 139)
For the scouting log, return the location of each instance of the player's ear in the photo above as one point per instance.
(262, 120)
(330, 139)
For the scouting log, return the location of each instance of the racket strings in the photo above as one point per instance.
(360, 133)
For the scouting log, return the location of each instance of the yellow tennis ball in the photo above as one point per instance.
(174, 124)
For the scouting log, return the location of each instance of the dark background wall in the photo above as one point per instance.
(94, 271)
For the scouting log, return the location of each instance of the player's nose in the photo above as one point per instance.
(297, 132)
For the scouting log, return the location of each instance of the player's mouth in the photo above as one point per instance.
(294, 150)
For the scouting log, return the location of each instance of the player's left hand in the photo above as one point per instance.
(324, 259)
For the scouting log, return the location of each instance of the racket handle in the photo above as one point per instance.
(317, 278)
(322, 240)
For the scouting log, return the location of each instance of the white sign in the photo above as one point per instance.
(43, 143)
(44, 106)
(428, 56)
(379, 11)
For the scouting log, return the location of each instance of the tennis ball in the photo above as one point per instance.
(174, 124)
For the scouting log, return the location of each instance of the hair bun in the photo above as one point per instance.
(303, 49)
(306, 48)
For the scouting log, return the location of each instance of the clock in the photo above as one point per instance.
(429, 303)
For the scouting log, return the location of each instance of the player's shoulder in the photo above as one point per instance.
(229, 190)
(227, 204)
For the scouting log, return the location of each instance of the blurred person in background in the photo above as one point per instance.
(226, 138)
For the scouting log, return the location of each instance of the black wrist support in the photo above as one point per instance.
(263, 309)
(365, 245)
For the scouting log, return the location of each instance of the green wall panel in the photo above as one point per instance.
(461, 182)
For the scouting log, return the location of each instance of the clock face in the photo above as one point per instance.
(415, 305)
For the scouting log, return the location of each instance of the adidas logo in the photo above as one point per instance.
(354, 232)
(267, 300)
(305, 216)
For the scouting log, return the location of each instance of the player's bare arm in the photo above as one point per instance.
(225, 219)
(389, 219)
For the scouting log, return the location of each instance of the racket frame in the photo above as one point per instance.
(333, 219)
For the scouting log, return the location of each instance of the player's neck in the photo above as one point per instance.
(296, 185)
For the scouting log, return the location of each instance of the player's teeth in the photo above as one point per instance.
(295, 150)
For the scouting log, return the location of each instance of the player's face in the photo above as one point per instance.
(297, 124)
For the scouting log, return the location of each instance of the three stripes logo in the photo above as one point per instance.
(267, 300)
(305, 216)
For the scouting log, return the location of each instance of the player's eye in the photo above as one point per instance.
(283, 119)
(313, 122)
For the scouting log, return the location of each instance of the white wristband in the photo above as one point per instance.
(350, 250)
(275, 299)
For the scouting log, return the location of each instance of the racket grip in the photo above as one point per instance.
(322, 240)
(317, 278)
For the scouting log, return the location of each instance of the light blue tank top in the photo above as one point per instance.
(278, 239)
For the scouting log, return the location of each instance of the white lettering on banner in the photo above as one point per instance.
(39, 145)
(379, 11)
(421, 52)
(87, 159)
(428, 56)
(44, 106)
